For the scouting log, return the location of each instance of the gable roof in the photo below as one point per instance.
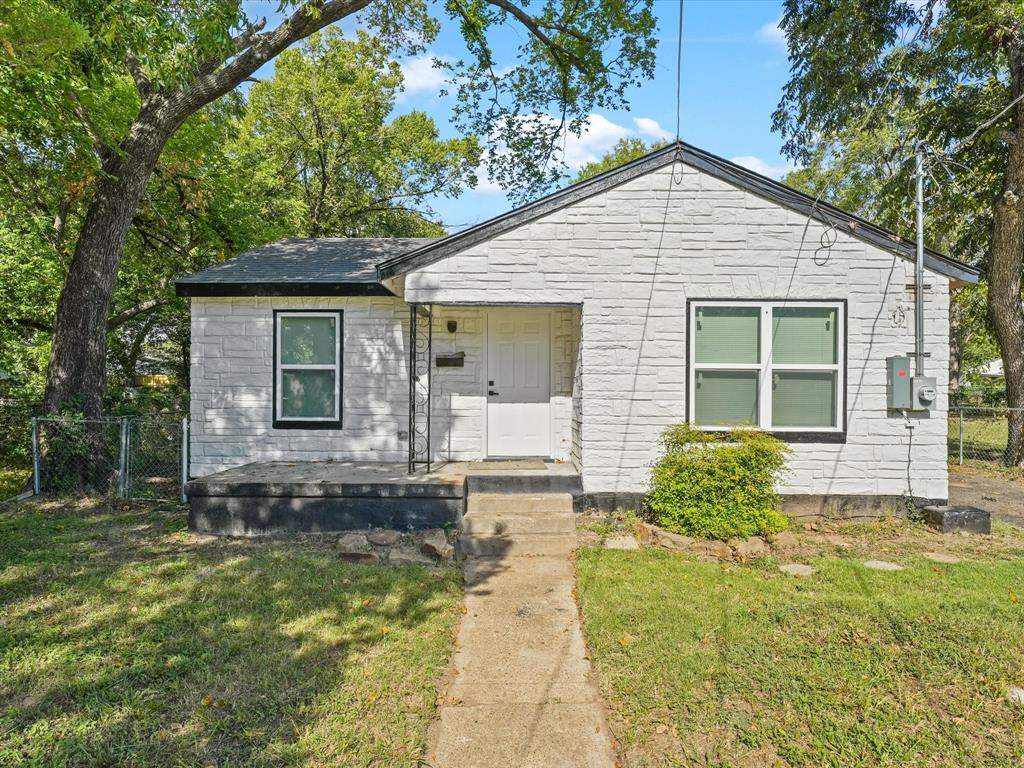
(706, 162)
(297, 266)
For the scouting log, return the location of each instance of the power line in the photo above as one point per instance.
(679, 72)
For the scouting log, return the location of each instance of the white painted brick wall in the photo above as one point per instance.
(232, 383)
(633, 255)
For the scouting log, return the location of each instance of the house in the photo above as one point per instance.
(575, 329)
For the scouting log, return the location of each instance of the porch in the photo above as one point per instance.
(491, 381)
(329, 496)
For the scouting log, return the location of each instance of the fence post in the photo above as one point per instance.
(184, 457)
(122, 465)
(961, 436)
(36, 480)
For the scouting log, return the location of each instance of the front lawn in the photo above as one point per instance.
(124, 640)
(13, 480)
(741, 665)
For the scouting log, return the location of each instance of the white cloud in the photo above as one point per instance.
(420, 74)
(484, 185)
(772, 33)
(599, 135)
(757, 165)
(648, 126)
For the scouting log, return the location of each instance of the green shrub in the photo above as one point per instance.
(718, 486)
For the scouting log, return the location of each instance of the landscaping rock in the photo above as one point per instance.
(384, 538)
(647, 534)
(435, 543)
(797, 569)
(711, 550)
(882, 565)
(354, 548)
(1016, 695)
(673, 541)
(942, 557)
(408, 556)
(745, 549)
(785, 540)
(360, 558)
(621, 542)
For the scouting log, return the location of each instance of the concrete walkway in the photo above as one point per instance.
(521, 693)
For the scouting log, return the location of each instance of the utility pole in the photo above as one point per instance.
(919, 267)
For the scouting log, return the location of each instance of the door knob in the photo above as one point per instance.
(491, 392)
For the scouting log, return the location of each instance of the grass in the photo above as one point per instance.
(125, 640)
(740, 665)
(13, 480)
(984, 443)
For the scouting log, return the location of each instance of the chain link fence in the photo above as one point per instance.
(129, 457)
(978, 435)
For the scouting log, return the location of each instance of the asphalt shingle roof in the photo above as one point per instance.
(341, 265)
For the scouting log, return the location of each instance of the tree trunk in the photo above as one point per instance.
(1007, 258)
(77, 368)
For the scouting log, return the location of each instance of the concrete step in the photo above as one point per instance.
(501, 523)
(521, 545)
(519, 503)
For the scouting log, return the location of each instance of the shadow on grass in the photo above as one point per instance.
(128, 641)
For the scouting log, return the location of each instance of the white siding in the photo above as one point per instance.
(633, 255)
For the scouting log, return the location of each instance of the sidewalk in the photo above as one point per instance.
(521, 695)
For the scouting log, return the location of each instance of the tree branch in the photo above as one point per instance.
(142, 82)
(534, 27)
(32, 324)
(139, 309)
(258, 49)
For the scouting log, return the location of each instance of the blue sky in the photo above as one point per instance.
(734, 68)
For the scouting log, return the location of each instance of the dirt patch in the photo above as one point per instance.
(1001, 496)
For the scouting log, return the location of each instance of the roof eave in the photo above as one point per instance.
(194, 289)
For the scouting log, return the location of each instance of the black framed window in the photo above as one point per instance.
(776, 365)
(307, 368)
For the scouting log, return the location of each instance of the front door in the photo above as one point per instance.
(518, 383)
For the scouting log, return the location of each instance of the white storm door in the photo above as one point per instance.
(518, 383)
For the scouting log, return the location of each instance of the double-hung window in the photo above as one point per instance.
(307, 369)
(777, 365)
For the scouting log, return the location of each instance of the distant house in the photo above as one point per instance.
(992, 370)
(678, 287)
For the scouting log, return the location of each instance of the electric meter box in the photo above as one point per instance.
(898, 384)
(922, 392)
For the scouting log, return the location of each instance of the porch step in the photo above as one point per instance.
(519, 503)
(499, 525)
(521, 545)
(503, 524)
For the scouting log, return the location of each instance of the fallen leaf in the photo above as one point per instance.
(626, 639)
(1014, 598)
(661, 729)
(385, 630)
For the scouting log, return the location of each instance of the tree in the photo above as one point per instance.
(950, 74)
(868, 172)
(624, 151)
(180, 57)
(327, 162)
